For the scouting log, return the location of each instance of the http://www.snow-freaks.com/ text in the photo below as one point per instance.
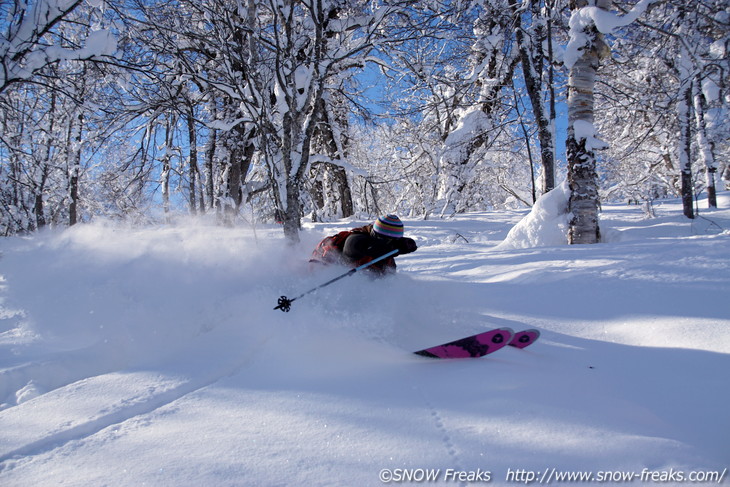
(549, 476)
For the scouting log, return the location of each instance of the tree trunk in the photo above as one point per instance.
(582, 178)
(192, 162)
(292, 215)
(74, 171)
(167, 167)
(40, 218)
(345, 194)
(73, 195)
(703, 144)
(526, 134)
(210, 169)
(549, 171)
(532, 72)
(583, 201)
(324, 140)
(44, 169)
(685, 150)
(240, 147)
(292, 211)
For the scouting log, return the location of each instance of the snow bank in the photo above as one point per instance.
(545, 226)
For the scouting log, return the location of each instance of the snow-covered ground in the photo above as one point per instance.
(153, 356)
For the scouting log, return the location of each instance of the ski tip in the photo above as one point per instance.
(524, 338)
(533, 331)
(507, 329)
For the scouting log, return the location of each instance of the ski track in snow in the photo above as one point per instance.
(151, 392)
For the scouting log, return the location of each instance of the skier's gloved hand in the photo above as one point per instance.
(406, 245)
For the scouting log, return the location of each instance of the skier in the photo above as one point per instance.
(360, 245)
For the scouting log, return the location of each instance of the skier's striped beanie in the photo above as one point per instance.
(388, 226)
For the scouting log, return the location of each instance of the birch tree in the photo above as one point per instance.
(590, 20)
(704, 145)
(684, 146)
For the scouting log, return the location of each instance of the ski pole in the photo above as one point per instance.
(284, 303)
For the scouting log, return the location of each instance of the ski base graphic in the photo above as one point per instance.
(474, 346)
(482, 344)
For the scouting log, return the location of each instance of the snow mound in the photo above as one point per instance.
(545, 226)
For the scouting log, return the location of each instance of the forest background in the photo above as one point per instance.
(280, 110)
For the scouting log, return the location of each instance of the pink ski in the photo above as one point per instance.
(474, 346)
(525, 338)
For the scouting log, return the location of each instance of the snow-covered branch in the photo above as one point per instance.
(28, 43)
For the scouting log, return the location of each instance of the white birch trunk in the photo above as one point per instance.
(582, 178)
(704, 146)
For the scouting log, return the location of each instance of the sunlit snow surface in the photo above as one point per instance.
(153, 356)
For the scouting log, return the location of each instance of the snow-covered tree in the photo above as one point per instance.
(313, 45)
(665, 88)
(49, 111)
(210, 106)
(30, 40)
(270, 74)
(534, 35)
(590, 20)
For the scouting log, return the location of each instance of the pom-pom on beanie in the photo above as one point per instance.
(388, 226)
